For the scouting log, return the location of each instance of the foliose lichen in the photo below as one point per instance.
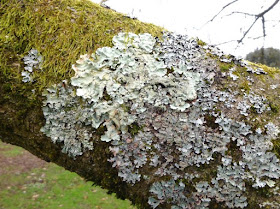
(32, 61)
(171, 93)
(67, 119)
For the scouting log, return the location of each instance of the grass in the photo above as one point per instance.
(10, 151)
(49, 186)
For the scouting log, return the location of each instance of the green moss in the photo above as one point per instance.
(236, 73)
(253, 110)
(207, 171)
(271, 71)
(217, 205)
(245, 85)
(200, 42)
(261, 191)
(61, 30)
(125, 108)
(274, 108)
(101, 130)
(224, 67)
(134, 129)
(21, 114)
(189, 185)
(240, 71)
(276, 147)
(106, 96)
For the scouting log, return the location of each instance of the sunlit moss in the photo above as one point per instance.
(61, 30)
(245, 86)
(200, 42)
(271, 71)
(224, 67)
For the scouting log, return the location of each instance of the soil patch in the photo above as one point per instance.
(17, 164)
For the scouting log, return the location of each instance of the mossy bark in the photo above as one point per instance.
(62, 31)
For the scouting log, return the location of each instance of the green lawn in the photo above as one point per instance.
(47, 185)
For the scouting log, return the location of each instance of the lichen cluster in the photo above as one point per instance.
(32, 62)
(67, 119)
(167, 119)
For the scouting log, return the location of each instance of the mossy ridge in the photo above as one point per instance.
(61, 31)
(270, 70)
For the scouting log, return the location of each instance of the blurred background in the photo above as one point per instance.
(27, 182)
(218, 22)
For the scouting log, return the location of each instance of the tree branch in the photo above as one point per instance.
(224, 7)
(237, 12)
(258, 16)
(244, 35)
(269, 8)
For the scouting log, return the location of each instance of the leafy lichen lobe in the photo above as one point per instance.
(126, 85)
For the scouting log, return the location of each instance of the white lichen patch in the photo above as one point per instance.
(131, 76)
(159, 106)
(67, 121)
(272, 130)
(32, 61)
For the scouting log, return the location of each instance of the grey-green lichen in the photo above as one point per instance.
(32, 62)
(169, 90)
(130, 74)
(67, 119)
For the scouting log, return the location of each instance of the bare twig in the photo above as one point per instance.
(258, 16)
(243, 13)
(244, 35)
(269, 8)
(224, 7)
(255, 38)
(226, 42)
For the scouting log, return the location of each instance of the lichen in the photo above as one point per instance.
(32, 62)
(159, 106)
(200, 146)
(120, 72)
(67, 121)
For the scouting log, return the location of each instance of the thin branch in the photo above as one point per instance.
(224, 7)
(255, 38)
(268, 9)
(243, 13)
(226, 42)
(244, 35)
(263, 24)
(261, 16)
(103, 1)
(257, 17)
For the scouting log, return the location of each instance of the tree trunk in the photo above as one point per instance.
(206, 135)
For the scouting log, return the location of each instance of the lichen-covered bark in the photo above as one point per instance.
(61, 31)
(167, 123)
